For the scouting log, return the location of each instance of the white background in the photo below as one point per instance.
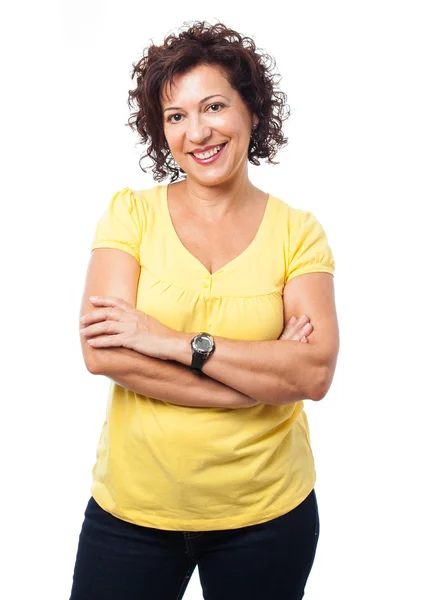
(351, 72)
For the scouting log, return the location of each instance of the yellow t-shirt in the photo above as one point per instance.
(194, 468)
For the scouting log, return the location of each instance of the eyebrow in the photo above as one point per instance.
(200, 102)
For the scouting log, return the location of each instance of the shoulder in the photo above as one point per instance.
(143, 196)
(284, 208)
(291, 218)
(298, 219)
(143, 201)
(149, 196)
(291, 211)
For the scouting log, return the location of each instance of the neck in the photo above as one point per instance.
(213, 202)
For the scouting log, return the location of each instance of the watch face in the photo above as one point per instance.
(203, 344)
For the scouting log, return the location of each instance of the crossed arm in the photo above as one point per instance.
(280, 371)
(272, 372)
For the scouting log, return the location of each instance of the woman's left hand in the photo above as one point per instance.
(118, 324)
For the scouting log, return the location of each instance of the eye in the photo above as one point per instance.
(217, 104)
(175, 115)
(170, 119)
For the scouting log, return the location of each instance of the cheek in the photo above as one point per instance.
(173, 138)
(235, 128)
(232, 127)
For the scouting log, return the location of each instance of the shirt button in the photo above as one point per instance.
(206, 283)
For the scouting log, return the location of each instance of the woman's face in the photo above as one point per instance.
(203, 110)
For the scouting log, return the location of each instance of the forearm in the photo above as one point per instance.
(273, 372)
(165, 380)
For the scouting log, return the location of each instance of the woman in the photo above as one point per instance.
(204, 457)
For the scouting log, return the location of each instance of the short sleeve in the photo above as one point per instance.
(120, 225)
(308, 249)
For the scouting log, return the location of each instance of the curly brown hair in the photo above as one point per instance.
(248, 71)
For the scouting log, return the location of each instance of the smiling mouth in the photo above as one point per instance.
(209, 153)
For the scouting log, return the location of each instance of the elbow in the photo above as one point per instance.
(90, 359)
(317, 394)
(326, 372)
(321, 385)
(93, 368)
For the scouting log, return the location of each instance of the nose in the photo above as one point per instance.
(197, 131)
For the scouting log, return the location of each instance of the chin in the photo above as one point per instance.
(212, 176)
(211, 179)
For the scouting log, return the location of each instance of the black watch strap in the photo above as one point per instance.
(198, 361)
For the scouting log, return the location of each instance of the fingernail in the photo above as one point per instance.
(93, 297)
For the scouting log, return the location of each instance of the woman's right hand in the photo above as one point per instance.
(297, 330)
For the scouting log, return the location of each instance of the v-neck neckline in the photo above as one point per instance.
(196, 260)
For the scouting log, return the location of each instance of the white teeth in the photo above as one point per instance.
(209, 153)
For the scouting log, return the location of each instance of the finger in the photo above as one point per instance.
(104, 327)
(303, 332)
(298, 324)
(295, 328)
(304, 339)
(286, 331)
(105, 341)
(296, 337)
(304, 319)
(303, 328)
(102, 314)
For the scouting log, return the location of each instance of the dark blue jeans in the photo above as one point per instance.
(117, 560)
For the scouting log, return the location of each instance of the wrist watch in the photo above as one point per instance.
(202, 347)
